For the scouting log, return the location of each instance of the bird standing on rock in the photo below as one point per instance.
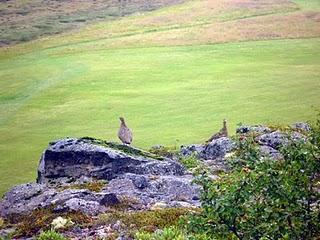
(124, 134)
(222, 133)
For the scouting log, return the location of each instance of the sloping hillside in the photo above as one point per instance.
(173, 73)
(200, 22)
(22, 21)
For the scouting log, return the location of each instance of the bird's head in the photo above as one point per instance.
(224, 122)
(121, 119)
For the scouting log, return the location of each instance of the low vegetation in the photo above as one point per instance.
(171, 233)
(122, 147)
(94, 186)
(41, 219)
(144, 221)
(262, 198)
(50, 235)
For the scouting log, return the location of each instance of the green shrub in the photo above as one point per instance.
(262, 198)
(171, 233)
(50, 235)
(190, 162)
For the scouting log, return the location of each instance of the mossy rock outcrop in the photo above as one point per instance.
(91, 176)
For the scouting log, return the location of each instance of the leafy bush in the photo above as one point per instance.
(50, 235)
(262, 198)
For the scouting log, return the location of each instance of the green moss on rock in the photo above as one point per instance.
(95, 186)
(122, 147)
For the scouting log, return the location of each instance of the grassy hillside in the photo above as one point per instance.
(25, 20)
(174, 74)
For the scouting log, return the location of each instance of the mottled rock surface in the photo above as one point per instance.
(278, 139)
(74, 158)
(260, 129)
(301, 126)
(217, 148)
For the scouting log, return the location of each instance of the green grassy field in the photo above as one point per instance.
(171, 92)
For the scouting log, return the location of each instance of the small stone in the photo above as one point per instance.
(267, 151)
(87, 207)
(139, 181)
(275, 139)
(218, 148)
(159, 206)
(191, 150)
(109, 199)
(101, 233)
(181, 204)
(117, 225)
(301, 126)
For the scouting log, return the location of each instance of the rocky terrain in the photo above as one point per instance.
(93, 177)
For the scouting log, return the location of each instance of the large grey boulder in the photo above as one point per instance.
(70, 159)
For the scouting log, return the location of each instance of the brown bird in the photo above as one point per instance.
(124, 133)
(222, 133)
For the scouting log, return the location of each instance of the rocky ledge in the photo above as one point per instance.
(68, 168)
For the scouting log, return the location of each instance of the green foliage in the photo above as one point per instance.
(5, 238)
(122, 147)
(163, 151)
(41, 219)
(145, 221)
(190, 162)
(170, 233)
(195, 165)
(94, 186)
(247, 152)
(51, 235)
(262, 198)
